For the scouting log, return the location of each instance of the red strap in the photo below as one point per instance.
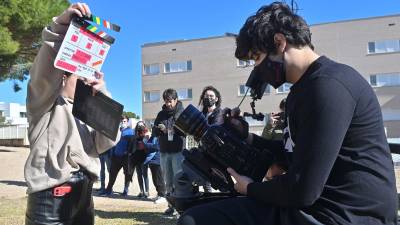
(62, 190)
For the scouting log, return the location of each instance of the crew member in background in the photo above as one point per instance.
(171, 140)
(119, 159)
(210, 105)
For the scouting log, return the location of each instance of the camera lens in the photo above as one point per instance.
(192, 121)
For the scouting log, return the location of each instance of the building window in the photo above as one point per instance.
(384, 46)
(245, 63)
(385, 80)
(243, 89)
(151, 69)
(151, 96)
(184, 93)
(176, 67)
(149, 122)
(284, 88)
(22, 114)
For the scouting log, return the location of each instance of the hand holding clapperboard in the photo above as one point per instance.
(83, 52)
(85, 47)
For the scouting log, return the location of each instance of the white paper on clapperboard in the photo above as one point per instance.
(78, 43)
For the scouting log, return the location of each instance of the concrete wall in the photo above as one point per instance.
(14, 142)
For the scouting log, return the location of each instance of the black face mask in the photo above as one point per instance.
(208, 102)
(271, 72)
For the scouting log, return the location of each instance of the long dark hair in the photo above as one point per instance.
(137, 126)
(217, 94)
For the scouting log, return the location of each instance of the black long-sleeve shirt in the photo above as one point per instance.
(341, 170)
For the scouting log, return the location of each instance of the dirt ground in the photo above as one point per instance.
(13, 187)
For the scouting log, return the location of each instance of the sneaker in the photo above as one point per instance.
(159, 200)
(169, 212)
(140, 195)
(125, 193)
(145, 195)
(100, 190)
(105, 193)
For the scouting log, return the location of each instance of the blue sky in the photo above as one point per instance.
(160, 20)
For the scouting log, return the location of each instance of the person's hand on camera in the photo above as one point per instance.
(98, 83)
(79, 9)
(273, 118)
(241, 181)
(233, 120)
(274, 170)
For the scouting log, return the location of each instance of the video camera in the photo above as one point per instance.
(220, 147)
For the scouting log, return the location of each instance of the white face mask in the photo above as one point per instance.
(124, 125)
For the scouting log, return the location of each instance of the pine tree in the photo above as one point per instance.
(21, 22)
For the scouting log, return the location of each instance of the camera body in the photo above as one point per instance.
(220, 147)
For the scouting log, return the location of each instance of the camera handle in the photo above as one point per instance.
(257, 116)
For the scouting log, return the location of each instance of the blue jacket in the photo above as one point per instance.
(121, 148)
(153, 148)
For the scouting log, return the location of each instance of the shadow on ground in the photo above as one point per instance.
(5, 150)
(149, 218)
(13, 182)
(117, 195)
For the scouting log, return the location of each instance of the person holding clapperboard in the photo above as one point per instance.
(63, 161)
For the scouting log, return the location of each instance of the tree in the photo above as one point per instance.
(131, 115)
(21, 22)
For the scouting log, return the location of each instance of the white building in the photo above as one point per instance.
(14, 113)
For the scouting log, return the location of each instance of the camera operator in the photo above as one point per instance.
(210, 102)
(171, 140)
(275, 124)
(63, 160)
(340, 170)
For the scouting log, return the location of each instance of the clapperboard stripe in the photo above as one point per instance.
(105, 23)
(97, 20)
(92, 28)
(100, 33)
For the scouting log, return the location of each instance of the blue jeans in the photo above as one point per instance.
(105, 161)
(143, 178)
(171, 164)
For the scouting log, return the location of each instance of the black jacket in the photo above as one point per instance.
(168, 118)
(213, 117)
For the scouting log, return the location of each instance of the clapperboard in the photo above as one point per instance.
(85, 47)
(98, 111)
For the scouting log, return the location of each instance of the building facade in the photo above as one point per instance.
(371, 46)
(14, 113)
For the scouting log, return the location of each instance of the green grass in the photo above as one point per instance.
(12, 212)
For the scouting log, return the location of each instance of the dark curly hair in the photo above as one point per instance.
(257, 34)
(217, 94)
